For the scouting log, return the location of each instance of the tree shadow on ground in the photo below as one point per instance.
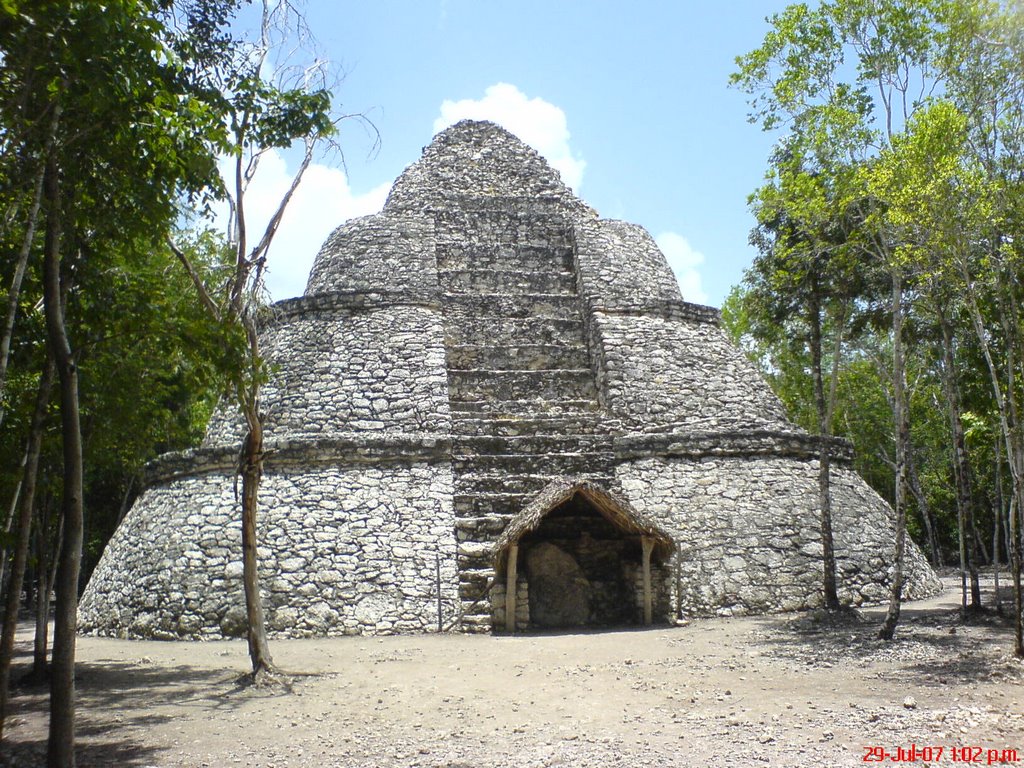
(934, 646)
(120, 752)
(117, 701)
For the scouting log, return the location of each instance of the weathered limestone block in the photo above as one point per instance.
(342, 371)
(392, 251)
(621, 267)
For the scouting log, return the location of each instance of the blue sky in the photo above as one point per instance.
(629, 100)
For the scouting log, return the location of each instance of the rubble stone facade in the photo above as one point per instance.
(484, 336)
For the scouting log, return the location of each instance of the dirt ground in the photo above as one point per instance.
(796, 691)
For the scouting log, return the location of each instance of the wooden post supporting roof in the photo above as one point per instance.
(510, 588)
(648, 546)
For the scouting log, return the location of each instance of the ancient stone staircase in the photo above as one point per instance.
(522, 391)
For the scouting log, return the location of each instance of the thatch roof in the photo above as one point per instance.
(611, 505)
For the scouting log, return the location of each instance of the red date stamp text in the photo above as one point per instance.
(917, 753)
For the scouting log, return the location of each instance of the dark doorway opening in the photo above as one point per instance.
(578, 566)
(585, 561)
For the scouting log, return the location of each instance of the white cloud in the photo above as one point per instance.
(685, 262)
(322, 201)
(539, 123)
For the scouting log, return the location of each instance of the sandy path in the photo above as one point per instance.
(724, 692)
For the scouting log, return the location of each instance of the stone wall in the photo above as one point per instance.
(661, 372)
(344, 550)
(498, 598)
(749, 536)
(477, 159)
(342, 370)
(621, 267)
(385, 250)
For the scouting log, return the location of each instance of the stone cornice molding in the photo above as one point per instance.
(300, 451)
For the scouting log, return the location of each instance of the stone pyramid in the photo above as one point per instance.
(493, 410)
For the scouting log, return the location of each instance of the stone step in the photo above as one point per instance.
(475, 615)
(510, 331)
(585, 423)
(475, 623)
(531, 409)
(524, 257)
(471, 306)
(501, 483)
(480, 528)
(477, 560)
(505, 280)
(522, 357)
(527, 483)
(500, 445)
(554, 384)
(474, 583)
(584, 462)
(499, 505)
(524, 223)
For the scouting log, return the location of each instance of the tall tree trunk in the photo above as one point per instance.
(61, 743)
(997, 524)
(48, 555)
(914, 484)
(828, 556)
(12, 513)
(1015, 575)
(902, 427)
(1006, 529)
(19, 271)
(247, 396)
(48, 544)
(21, 547)
(1010, 433)
(252, 472)
(1009, 311)
(248, 391)
(961, 471)
(981, 548)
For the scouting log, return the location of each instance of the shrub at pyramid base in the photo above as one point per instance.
(493, 410)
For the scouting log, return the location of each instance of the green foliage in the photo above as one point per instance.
(903, 127)
(148, 385)
(147, 381)
(735, 320)
(135, 104)
(267, 116)
(133, 132)
(127, 114)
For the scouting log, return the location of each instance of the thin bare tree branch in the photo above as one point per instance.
(197, 281)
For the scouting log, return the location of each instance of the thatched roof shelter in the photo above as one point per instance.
(613, 507)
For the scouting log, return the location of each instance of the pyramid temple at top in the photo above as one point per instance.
(493, 410)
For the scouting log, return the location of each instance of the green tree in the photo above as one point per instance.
(987, 84)
(266, 108)
(804, 280)
(87, 91)
(932, 197)
(845, 78)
